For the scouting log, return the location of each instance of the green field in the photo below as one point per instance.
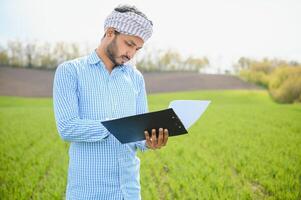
(245, 146)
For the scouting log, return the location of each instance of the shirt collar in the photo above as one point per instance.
(93, 59)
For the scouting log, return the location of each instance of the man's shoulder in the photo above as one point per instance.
(76, 62)
(73, 65)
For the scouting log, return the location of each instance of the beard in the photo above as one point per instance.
(112, 53)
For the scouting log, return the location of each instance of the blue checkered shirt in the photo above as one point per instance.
(84, 95)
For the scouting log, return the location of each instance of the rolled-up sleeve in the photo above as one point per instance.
(65, 101)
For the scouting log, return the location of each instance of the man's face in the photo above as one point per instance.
(122, 48)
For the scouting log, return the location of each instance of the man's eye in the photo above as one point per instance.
(130, 45)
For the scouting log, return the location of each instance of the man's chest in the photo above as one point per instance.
(111, 95)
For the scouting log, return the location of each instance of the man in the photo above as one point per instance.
(98, 87)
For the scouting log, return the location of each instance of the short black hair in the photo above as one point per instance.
(129, 8)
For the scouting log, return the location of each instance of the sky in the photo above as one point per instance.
(221, 30)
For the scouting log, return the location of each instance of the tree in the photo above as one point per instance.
(170, 60)
(4, 60)
(16, 54)
(195, 64)
(30, 52)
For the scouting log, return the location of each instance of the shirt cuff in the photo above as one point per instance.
(142, 146)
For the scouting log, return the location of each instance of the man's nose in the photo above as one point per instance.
(130, 53)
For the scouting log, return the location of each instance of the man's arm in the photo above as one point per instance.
(66, 110)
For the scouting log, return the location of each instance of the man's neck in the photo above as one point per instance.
(107, 62)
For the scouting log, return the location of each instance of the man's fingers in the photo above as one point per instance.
(148, 141)
(155, 142)
(165, 137)
(160, 138)
(154, 138)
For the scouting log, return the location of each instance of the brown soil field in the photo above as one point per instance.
(38, 83)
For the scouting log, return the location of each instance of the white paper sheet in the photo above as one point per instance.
(189, 111)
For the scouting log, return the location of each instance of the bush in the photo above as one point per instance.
(285, 84)
(257, 77)
(280, 77)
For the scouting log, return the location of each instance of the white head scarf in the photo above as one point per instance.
(130, 23)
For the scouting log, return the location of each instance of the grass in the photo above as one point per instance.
(245, 146)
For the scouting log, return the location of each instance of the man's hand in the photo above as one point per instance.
(156, 143)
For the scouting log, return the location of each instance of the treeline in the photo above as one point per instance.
(170, 60)
(36, 54)
(280, 77)
(49, 56)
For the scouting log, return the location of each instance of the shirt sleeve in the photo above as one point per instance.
(65, 101)
(141, 107)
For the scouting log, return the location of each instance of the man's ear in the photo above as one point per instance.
(110, 32)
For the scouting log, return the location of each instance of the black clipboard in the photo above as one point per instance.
(131, 129)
